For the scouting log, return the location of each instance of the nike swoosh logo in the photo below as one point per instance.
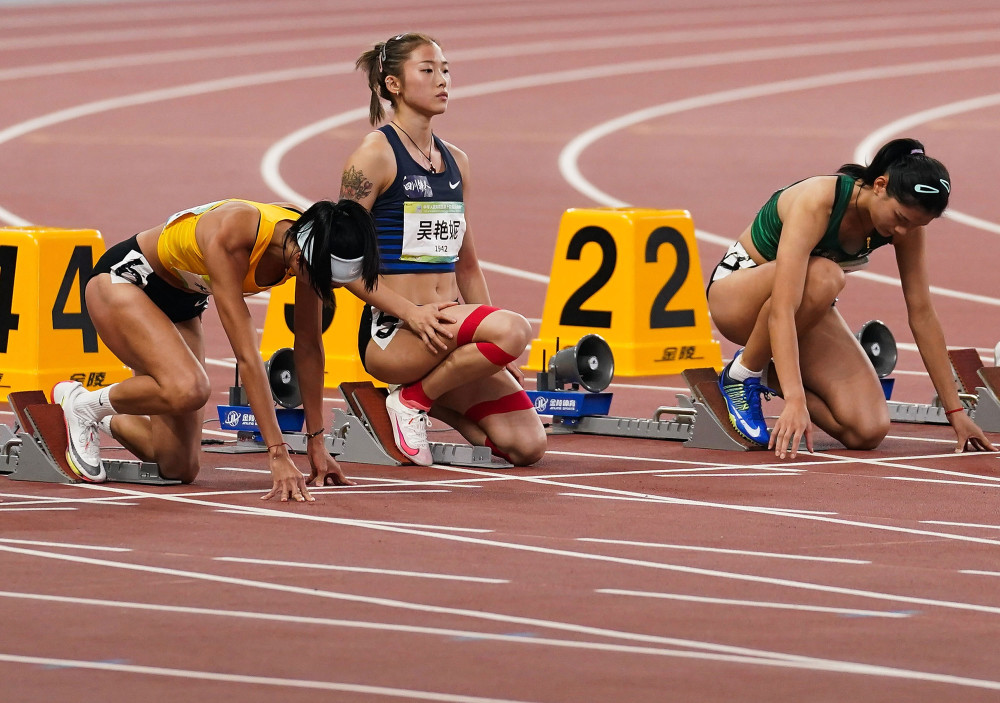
(750, 432)
(454, 185)
(407, 449)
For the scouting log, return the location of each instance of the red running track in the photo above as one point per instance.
(632, 570)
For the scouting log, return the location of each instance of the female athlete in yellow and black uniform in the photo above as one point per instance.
(775, 290)
(146, 297)
(455, 361)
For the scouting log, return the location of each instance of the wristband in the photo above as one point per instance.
(949, 412)
(317, 433)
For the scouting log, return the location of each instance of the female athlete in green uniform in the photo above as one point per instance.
(775, 290)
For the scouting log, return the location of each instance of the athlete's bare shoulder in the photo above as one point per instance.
(816, 193)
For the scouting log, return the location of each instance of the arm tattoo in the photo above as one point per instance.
(354, 185)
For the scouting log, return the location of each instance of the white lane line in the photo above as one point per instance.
(531, 16)
(739, 475)
(437, 632)
(928, 440)
(662, 499)
(917, 479)
(715, 652)
(430, 527)
(64, 545)
(191, 674)
(961, 524)
(716, 550)
(976, 572)
(361, 570)
(14, 509)
(711, 469)
(631, 495)
(582, 555)
(850, 612)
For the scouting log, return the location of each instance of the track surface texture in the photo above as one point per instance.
(615, 569)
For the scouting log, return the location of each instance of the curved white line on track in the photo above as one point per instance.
(594, 43)
(569, 158)
(867, 148)
(538, 80)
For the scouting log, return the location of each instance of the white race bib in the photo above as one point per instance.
(192, 211)
(433, 231)
(195, 282)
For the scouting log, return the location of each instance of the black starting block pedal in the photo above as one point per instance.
(364, 432)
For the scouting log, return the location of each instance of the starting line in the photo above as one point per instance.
(35, 448)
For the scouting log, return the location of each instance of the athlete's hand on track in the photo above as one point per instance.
(288, 480)
(791, 426)
(970, 436)
(324, 469)
(428, 322)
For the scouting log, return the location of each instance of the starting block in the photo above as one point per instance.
(700, 420)
(978, 389)
(363, 434)
(712, 428)
(35, 449)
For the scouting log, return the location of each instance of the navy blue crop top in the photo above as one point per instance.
(420, 218)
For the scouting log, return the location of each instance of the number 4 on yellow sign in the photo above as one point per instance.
(46, 335)
(634, 277)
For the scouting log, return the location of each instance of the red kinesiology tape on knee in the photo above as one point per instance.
(517, 400)
(471, 324)
(494, 354)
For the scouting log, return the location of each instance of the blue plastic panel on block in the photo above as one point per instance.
(570, 403)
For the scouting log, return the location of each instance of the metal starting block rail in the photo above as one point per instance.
(700, 420)
(363, 435)
(35, 449)
(979, 389)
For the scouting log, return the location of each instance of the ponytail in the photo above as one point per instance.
(915, 179)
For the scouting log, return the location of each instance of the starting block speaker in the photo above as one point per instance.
(590, 364)
(879, 346)
(634, 277)
(46, 335)
(282, 378)
(340, 334)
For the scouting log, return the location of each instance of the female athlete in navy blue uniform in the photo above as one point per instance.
(430, 325)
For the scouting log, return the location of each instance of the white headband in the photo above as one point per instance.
(341, 270)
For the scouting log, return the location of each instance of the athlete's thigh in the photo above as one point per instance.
(406, 358)
(136, 330)
(835, 368)
(736, 300)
